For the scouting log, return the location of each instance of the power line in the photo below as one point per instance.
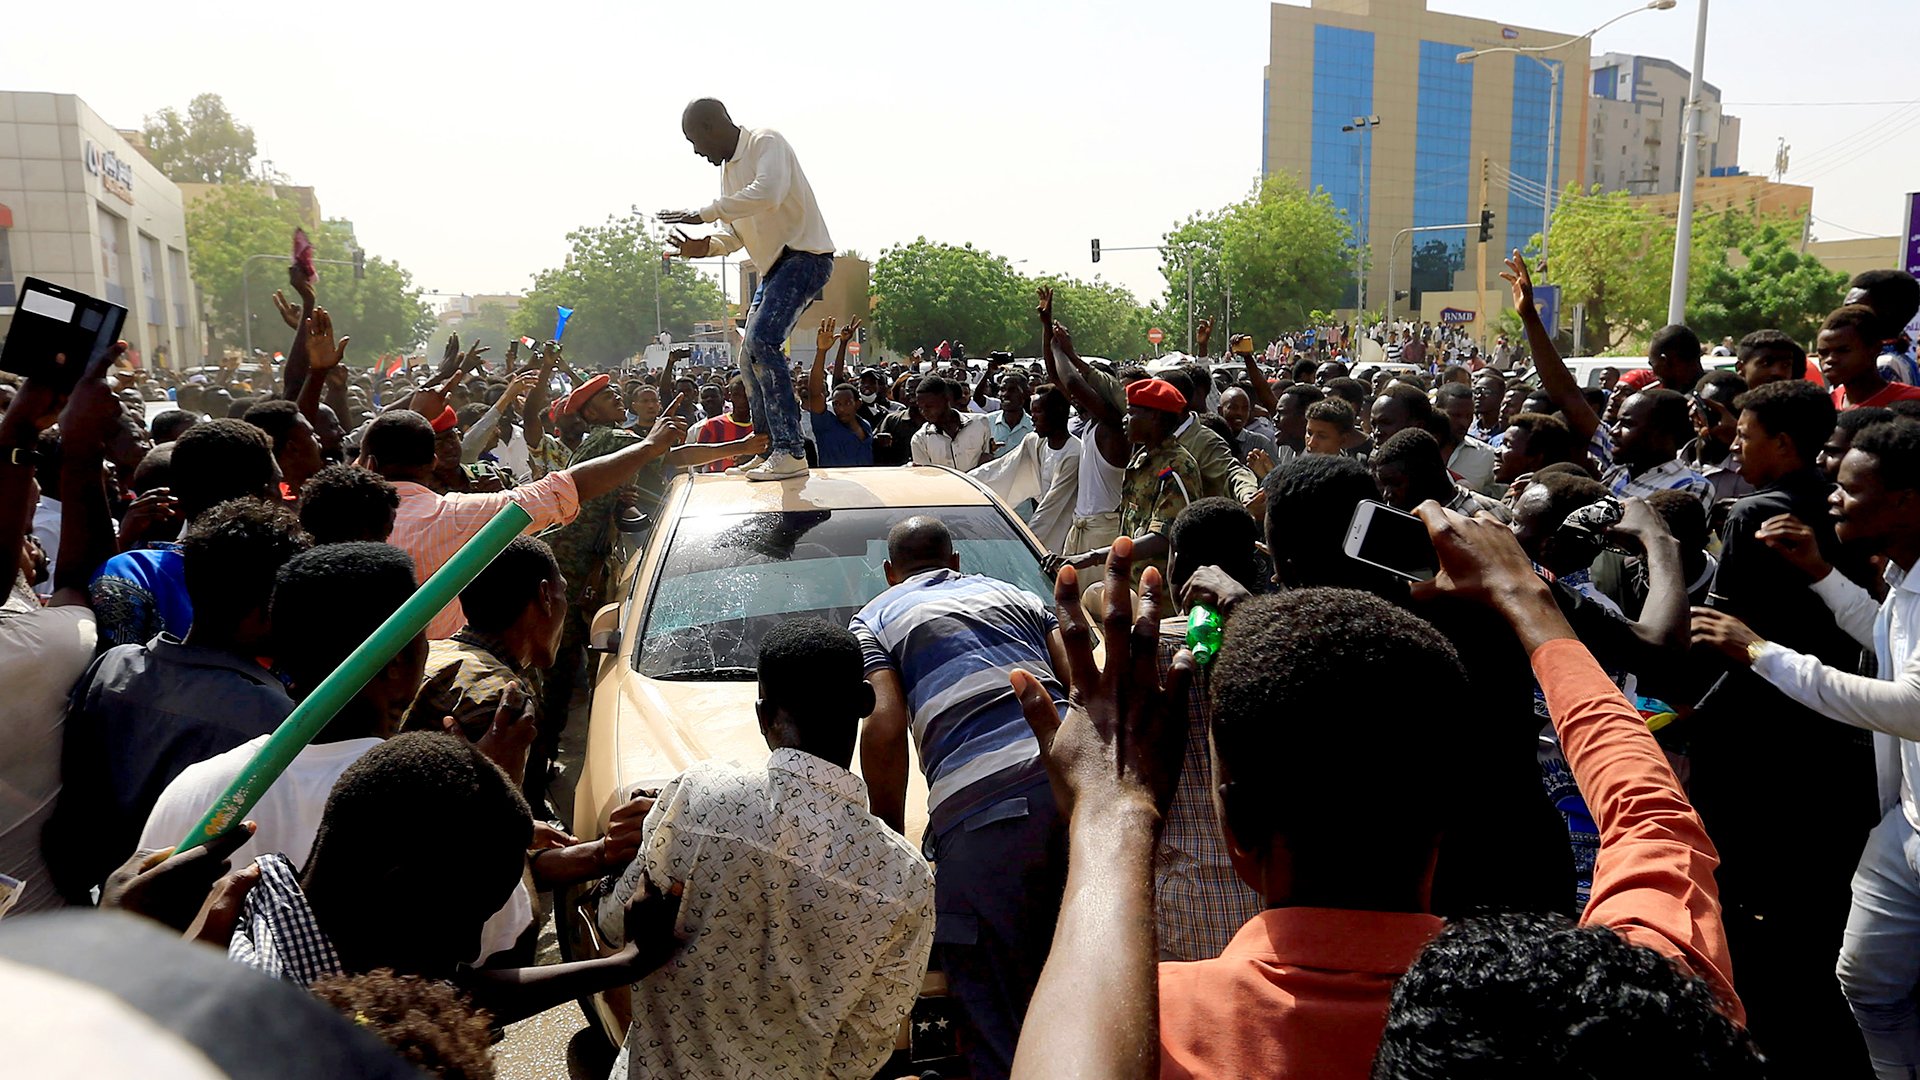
(1843, 228)
(1848, 142)
(1809, 104)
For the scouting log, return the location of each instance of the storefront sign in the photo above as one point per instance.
(115, 175)
(1455, 316)
(1910, 247)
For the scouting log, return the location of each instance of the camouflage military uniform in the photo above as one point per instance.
(467, 678)
(551, 455)
(1159, 482)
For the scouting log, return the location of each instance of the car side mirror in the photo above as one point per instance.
(634, 522)
(603, 636)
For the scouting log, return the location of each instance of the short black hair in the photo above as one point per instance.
(1567, 492)
(1859, 318)
(1672, 415)
(1732, 380)
(238, 408)
(1452, 391)
(1214, 532)
(814, 671)
(221, 460)
(498, 594)
(1305, 393)
(1675, 340)
(1291, 661)
(1769, 340)
(1895, 447)
(1181, 379)
(1054, 404)
(1332, 410)
(277, 418)
(168, 425)
(1893, 294)
(1907, 407)
(1304, 369)
(346, 502)
(401, 438)
(1851, 421)
(1351, 390)
(154, 471)
(1686, 519)
(1310, 503)
(1418, 452)
(1532, 995)
(1419, 409)
(328, 600)
(1548, 437)
(231, 556)
(422, 776)
(1794, 408)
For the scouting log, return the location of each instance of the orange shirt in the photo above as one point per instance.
(1299, 992)
(431, 526)
(1303, 992)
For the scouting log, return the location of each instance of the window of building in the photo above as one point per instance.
(1443, 172)
(1527, 152)
(1342, 90)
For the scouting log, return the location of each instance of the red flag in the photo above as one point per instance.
(392, 366)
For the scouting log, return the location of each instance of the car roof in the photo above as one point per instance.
(832, 489)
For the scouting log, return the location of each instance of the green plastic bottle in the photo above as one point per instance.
(1204, 631)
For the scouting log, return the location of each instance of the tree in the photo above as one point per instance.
(233, 222)
(205, 146)
(1773, 286)
(1282, 250)
(609, 280)
(925, 293)
(1614, 257)
(1105, 318)
(491, 321)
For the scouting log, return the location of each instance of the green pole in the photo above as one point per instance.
(359, 668)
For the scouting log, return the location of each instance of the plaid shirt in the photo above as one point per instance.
(277, 934)
(1199, 903)
(431, 527)
(1667, 476)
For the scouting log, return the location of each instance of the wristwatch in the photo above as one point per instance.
(1754, 648)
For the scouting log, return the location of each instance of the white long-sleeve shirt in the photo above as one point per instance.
(766, 204)
(1034, 470)
(1888, 706)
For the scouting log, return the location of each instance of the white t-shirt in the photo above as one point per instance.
(287, 817)
(43, 652)
(1099, 482)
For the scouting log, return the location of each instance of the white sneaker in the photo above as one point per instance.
(779, 467)
(744, 464)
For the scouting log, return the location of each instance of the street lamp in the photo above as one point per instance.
(1554, 71)
(1364, 125)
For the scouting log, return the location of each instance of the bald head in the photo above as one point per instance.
(919, 543)
(707, 125)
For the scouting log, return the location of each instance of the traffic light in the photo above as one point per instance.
(359, 264)
(1486, 226)
(1096, 251)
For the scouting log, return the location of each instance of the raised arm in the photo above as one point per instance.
(293, 373)
(1555, 379)
(1263, 394)
(1663, 618)
(1045, 310)
(86, 524)
(817, 375)
(840, 354)
(322, 354)
(1076, 378)
(534, 415)
(599, 476)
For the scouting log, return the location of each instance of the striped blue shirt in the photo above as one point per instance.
(952, 639)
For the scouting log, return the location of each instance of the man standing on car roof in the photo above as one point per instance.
(766, 206)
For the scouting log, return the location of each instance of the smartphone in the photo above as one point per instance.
(1393, 540)
(52, 319)
(1243, 347)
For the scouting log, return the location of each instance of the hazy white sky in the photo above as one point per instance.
(464, 141)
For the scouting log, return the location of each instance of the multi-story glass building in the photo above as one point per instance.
(1339, 61)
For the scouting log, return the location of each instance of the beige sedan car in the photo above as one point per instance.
(726, 560)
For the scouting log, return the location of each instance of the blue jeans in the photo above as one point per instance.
(784, 293)
(1880, 955)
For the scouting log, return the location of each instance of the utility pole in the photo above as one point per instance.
(1689, 163)
(1480, 278)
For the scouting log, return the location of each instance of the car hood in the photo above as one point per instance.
(663, 727)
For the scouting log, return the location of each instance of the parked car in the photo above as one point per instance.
(726, 561)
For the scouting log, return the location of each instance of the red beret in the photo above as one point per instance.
(582, 394)
(1638, 379)
(1156, 394)
(445, 420)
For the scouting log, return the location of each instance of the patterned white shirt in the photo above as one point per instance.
(1673, 475)
(807, 925)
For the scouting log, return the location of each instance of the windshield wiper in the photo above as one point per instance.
(708, 674)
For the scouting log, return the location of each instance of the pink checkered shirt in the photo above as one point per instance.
(431, 527)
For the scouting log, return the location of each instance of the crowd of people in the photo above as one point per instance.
(1643, 802)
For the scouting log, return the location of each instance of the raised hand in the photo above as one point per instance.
(153, 516)
(322, 351)
(1045, 307)
(1724, 634)
(680, 217)
(1125, 730)
(847, 331)
(689, 247)
(508, 737)
(1202, 331)
(1063, 340)
(170, 887)
(302, 286)
(671, 429)
(513, 353)
(826, 335)
(624, 828)
(474, 357)
(1517, 275)
(288, 313)
(93, 412)
(1260, 462)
